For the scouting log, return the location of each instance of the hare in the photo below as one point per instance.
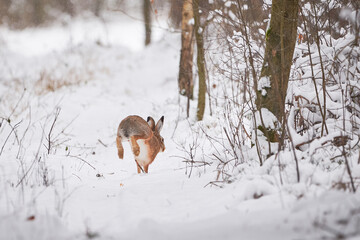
(144, 138)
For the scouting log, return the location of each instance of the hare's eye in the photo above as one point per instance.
(162, 139)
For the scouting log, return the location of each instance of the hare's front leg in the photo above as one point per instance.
(138, 168)
(119, 147)
(134, 145)
(146, 168)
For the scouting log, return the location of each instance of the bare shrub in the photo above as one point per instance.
(322, 126)
(191, 158)
(49, 81)
(19, 14)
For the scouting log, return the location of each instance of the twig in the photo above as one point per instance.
(83, 160)
(142, 170)
(27, 172)
(323, 115)
(49, 146)
(102, 143)
(7, 138)
(293, 149)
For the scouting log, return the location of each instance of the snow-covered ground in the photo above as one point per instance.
(82, 190)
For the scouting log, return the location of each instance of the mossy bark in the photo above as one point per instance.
(185, 79)
(200, 61)
(280, 45)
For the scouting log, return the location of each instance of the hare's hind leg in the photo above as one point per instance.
(119, 147)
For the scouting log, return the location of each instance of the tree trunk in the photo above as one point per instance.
(147, 20)
(68, 7)
(185, 80)
(200, 61)
(280, 45)
(98, 7)
(38, 12)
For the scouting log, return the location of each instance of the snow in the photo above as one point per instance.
(76, 32)
(82, 190)
(264, 82)
(228, 4)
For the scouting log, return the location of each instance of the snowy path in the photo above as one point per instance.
(164, 204)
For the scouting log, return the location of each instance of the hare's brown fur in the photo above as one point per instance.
(144, 138)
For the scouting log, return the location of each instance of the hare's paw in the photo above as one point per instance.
(136, 150)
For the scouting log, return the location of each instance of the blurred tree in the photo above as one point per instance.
(147, 20)
(4, 8)
(98, 6)
(280, 44)
(185, 79)
(38, 13)
(68, 7)
(175, 12)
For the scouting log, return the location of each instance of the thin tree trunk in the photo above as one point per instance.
(147, 20)
(280, 45)
(356, 5)
(317, 40)
(200, 61)
(185, 80)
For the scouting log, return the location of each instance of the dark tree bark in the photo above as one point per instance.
(200, 61)
(185, 79)
(147, 20)
(280, 45)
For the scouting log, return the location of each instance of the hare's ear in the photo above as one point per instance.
(159, 124)
(151, 123)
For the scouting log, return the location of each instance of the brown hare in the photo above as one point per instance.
(144, 138)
